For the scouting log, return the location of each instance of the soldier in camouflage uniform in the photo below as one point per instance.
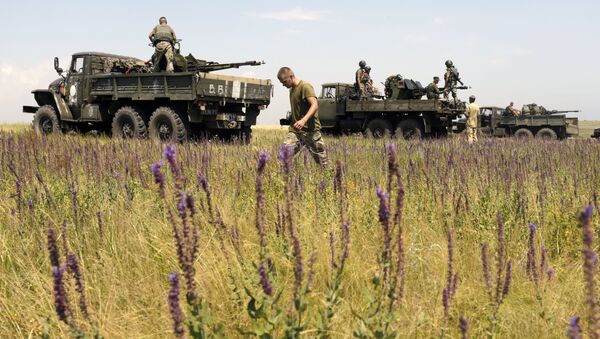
(163, 37)
(472, 113)
(305, 126)
(510, 111)
(367, 81)
(432, 90)
(361, 91)
(451, 79)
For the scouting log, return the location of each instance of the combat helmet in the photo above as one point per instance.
(362, 63)
(449, 63)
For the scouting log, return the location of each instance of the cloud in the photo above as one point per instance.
(520, 52)
(294, 14)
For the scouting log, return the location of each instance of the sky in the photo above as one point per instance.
(546, 52)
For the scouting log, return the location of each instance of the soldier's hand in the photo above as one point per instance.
(299, 124)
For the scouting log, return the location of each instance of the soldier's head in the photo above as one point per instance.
(162, 20)
(472, 99)
(368, 69)
(436, 80)
(511, 104)
(287, 77)
(448, 63)
(362, 64)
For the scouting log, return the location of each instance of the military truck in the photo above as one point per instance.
(401, 112)
(552, 125)
(119, 95)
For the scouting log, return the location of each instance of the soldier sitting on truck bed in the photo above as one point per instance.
(367, 82)
(510, 111)
(432, 90)
(163, 37)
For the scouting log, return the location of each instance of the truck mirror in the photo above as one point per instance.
(56, 67)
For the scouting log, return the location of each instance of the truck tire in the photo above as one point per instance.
(409, 129)
(546, 134)
(378, 128)
(523, 133)
(166, 125)
(46, 121)
(128, 124)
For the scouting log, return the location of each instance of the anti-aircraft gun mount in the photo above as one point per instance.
(117, 94)
(401, 113)
(550, 125)
(534, 109)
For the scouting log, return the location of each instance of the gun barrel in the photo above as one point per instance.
(561, 112)
(209, 67)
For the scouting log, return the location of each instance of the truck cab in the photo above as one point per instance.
(331, 102)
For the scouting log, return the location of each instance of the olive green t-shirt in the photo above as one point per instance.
(300, 105)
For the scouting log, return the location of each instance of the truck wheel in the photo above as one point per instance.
(46, 121)
(378, 128)
(546, 134)
(523, 133)
(409, 129)
(166, 125)
(128, 123)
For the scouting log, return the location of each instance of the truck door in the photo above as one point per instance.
(327, 107)
(75, 86)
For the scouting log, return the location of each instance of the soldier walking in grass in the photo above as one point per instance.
(472, 114)
(163, 37)
(305, 126)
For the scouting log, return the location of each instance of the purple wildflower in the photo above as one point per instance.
(574, 330)
(264, 280)
(159, 178)
(486, 269)
(100, 227)
(550, 273)
(61, 303)
(53, 252)
(29, 204)
(446, 303)
(286, 155)
(507, 280)
(175, 306)
(332, 250)
(345, 243)
(263, 158)
(464, 327)
(73, 265)
(532, 269)
(589, 270)
(500, 258)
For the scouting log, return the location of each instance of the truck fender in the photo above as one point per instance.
(48, 97)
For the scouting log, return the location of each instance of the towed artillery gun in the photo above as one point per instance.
(401, 112)
(119, 95)
(535, 121)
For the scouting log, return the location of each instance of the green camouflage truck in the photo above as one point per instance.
(119, 95)
(401, 112)
(550, 125)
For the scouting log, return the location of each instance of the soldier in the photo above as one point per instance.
(472, 114)
(511, 111)
(451, 78)
(432, 90)
(163, 37)
(358, 85)
(368, 82)
(305, 126)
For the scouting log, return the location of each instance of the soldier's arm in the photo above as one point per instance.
(314, 106)
(151, 34)
(174, 36)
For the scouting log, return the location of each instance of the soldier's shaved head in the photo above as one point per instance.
(162, 20)
(287, 77)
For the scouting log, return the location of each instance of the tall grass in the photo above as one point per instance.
(314, 254)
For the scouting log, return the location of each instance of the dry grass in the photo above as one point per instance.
(447, 182)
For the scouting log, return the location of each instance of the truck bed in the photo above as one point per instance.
(181, 86)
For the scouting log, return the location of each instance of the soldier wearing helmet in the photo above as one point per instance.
(472, 113)
(163, 37)
(451, 78)
(432, 90)
(359, 85)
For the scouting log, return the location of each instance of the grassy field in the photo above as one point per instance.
(360, 248)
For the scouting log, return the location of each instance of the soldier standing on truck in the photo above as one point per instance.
(432, 90)
(472, 114)
(305, 126)
(451, 78)
(358, 85)
(162, 37)
(368, 82)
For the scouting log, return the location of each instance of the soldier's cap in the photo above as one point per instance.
(436, 78)
(472, 97)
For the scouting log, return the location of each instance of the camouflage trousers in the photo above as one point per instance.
(313, 142)
(471, 134)
(163, 48)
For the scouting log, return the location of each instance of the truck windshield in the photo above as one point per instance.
(77, 65)
(328, 92)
